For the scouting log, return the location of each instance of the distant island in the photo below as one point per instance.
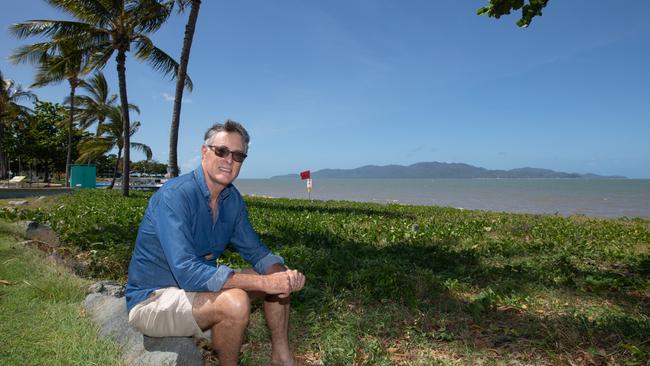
(441, 170)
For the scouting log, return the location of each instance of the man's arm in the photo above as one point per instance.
(279, 280)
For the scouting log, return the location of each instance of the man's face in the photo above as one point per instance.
(221, 171)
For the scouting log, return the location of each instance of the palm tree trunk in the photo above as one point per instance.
(68, 160)
(117, 163)
(180, 84)
(121, 72)
(4, 172)
(100, 122)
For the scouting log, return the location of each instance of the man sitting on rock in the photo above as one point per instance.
(176, 288)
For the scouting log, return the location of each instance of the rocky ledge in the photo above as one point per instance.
(106, 306)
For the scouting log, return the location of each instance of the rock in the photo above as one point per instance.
(41, 232)
(109, 312)
(109, 288)
(415, 228)
(17, 203)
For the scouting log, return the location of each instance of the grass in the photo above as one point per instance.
(41, 320)
(394, 284)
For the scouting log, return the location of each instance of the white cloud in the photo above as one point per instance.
(170, 98)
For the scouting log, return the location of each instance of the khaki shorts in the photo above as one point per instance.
(166, 313)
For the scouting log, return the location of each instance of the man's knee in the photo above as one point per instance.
(235, 305)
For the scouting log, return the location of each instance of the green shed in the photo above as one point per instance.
(83, 176)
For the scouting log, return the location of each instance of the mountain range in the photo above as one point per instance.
(442, 170)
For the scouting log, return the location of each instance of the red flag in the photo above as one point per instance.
(305, 175)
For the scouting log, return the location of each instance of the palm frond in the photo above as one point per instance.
(142, 148)
(17, 94)
(51, 28)
(109, 130)
(158, 59)
(115, 7)
(62, 61)
(32, 53)
(94, 147)
(101, 56)
(44, 77)
(93, 41)
(135, 126)
(91, 11)
(148, 15)
(135, 108)
(97, 88)
(90, 111)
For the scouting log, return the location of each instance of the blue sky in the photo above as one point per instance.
(341, 84)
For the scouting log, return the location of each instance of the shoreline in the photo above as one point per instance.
(407, 204)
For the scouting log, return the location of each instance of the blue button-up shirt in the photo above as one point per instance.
(178, 241)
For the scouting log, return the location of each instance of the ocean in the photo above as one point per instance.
(592, 197)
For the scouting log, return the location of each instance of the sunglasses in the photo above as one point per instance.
(224, 151)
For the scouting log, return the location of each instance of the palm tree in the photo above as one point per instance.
(111, 136)
(95, 106)
(180, 82)
(57, 61)
(11, 94)
(104, 27)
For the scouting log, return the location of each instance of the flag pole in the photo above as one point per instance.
(309, 188)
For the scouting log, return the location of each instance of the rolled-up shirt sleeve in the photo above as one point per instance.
(249, 245)
(216, 282)
(190, 272)
(263, 264)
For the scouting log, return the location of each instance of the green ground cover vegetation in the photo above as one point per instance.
(396, 284)
(41, 322)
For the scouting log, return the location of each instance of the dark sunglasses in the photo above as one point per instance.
(224, 151)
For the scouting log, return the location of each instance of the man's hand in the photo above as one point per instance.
(284, 283)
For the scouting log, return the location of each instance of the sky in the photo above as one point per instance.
(342, 84)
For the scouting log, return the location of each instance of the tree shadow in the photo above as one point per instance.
(328, 207)
(420, 276)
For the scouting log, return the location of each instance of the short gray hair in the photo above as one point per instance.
(228, 126)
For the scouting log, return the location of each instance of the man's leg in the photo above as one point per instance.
(276, 312)
(226, 313)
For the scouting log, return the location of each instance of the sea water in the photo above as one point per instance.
(591, 197)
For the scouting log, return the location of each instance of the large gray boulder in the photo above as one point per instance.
(107, 307)
(45, 239)
(41, 232)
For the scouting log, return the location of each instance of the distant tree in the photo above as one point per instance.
(529, 9)
(180, 81)
(57, 60)
(105, 164)
(106, 27)
(11, 111)
(149, 166)
(42, 142)
(111, 136)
